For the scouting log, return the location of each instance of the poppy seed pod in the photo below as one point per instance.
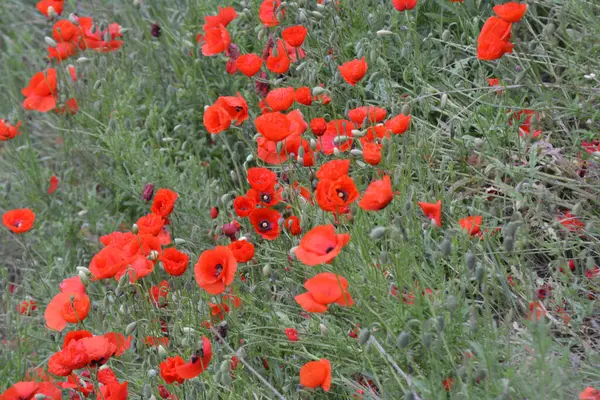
(451, 303)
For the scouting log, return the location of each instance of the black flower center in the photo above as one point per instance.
(329, 249)
(266, 198)
(342, 194)
(238, 108)
(218, 270)
(264, 226)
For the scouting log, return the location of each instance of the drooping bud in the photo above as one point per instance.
(377, 232)
(364, 336)
(403, 340)
(148, 192)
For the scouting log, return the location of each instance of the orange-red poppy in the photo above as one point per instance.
(216, 119)
(236, 107)
(8, 131)
(266, 222)
(493, 41)
(174, 261)
(216, 40)
(273, 126)
(278, 60)
(168, 369)
(571, 222)
(292, 225)
(316, 374)
(370, 113)
(249, 64)
(398, 124)
(318, 126)
(280, 99)
(333, 169)
(44, 5)
(53, 184)
(30, 391)
(353, 71)
(19, 220)
(242, 250)
(150, 224)
(267, 10)
(62, 51)
(261, 178)
(66, 307)
(224, 17)
(433, 211)
(215, 269)
(303, 96)
(320, 245)
(199, 361)
(41, 92)
(403, 5)
(243, 206)
(115, 390)
(26, 307)
(589, 393)
(511, 11)
(336, 195)
(378, 195)
(292, 334)
(108, 262)
(471, 224)
(493, 81)
(324, 289)
(158, 294)
(164, 201)
(294, 35)
(267, 151)
(297, 123)
(372, 153)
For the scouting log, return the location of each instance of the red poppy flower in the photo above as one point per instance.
(353, 71)
(249, 64)
(447, 383)
(589, 393)
(216, 119)
(53, 184)
(333, 169)
(242, 250)
(303, 96)
(471, 224)
(493, 81)
(316, 374)
(224, 17)
(174, 261)
(19, 220)
(318, 126)
(236, 107)
(72, 284)
(320, 245)
(335, 128)
(292, 225)
(524, 117)
(336, 195)
(115, 391)
(280, 99)
(41, 92)
(267, 151)
(158, 294)
(273, 126)
(372, 153)
(62, 51)
(493, 41)
(156, 341)
(65, 31)
(215, 269)
(108, 262)
(292, 334)
(511, 11)
(266, 222)
(261, 178)
(378, 195)
(403, 5)
(8, 131)
(324, 289)
(266, 12)
(243, 206)
(374, 114)
(31, 390)
(294, 35)
(69, 307)
(150, 224)
(216, 40)
(164, 201)
(168, 369)
(199, 361)
(44, 5)
(571, 222)
(278, 60)
(536, 311)
(120, 342)
(398, 124)
(27, 307)
(432, 211)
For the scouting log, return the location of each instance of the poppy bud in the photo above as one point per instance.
(383, 32)
(130, 328)
(338, 140)
(336, 151)
(41, 396)
(427, 340)
(590, 263)
(82, 60)
(83, 269)
(471, 261)
(51, 12)
(509, 244)
(364, 336)
(382, 63)
(266, 270)
(324, 329)
(241, 353)
(226, 378)
(478, 142)
(446, 247)
(403, 340)
(440, 323)
(225, 366)
(146, 391)
(179, 241)
(444, 101)
(446, 35)
(229, 230)
(479, 273)
(313, 144)
(250, 158)
(301, 66)
(214, 212)
(317, 90)
(153, 256)
(152, 373)
(83, 277)
(155, 30)
(377, 232)
(406, 108)
(148, 192)
(162, 353)
(317, 14)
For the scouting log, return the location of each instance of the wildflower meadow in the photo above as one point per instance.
(267, 199)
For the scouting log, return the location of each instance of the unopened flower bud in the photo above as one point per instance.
(377, 232)
(446, 247)
(135, 229)
(148, 192)
(266, 270)
(383, 32)
(153, 256)
(51, 12)
(162, 353)
(427, 340)
(324, 329)
(130, 328)
(364, 336)
(50, 42)
(403, 340)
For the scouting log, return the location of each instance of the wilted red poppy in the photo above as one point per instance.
(266, 12)
(318, 126)
(242, 250)
(294, 35)
(8, 131)
(447, 383)
(292, 225)
(372, 153)
(216, 40)
(278, 60)
(216, 119)
(19, 220)
(266, 222)
(224, 17)
(215, 269)
(31, 390)
(44, 5)
(41, 92)
(378, 195)
(292, 334)
(571, 222)
(320, 245)
(66, 307)
(493, 81)
(236, 107)
(280, 99)
(432, 211)
(273, 126)
(511, 11)
(199, 361)
(316, 374)
(168, 369)
(471, 224)
(493, 41)
(243, 206)
(374, 114)
(174, 261)
(324, 289)
(403, 5)
(353, 71)
(398, 124)
(249, 64)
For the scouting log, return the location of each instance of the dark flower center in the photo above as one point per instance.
(329, 249)
(218, 270)
(238, 108)
(266, 198)
(342, 194)
(17, 223)
(264, 226)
